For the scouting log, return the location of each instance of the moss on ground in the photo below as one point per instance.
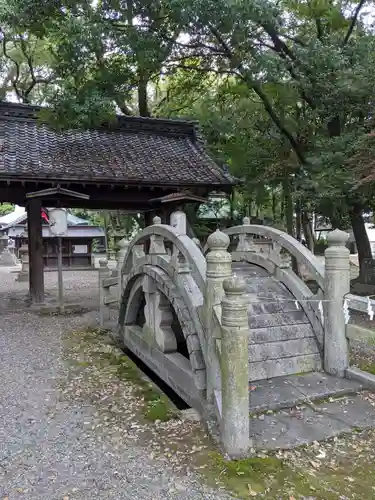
(156, 405)
(368, 367)
(347, 469)
(267, 477)
(271, 478)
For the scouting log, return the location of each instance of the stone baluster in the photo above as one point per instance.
(138, 252)
(274, 252)
(285, 260)
(178, 221)
(121, 253)
(219, 267)
(235, 369)
(157, 246)
(178, 260)
(120, 257)
(336, 286)
(23, 275)
(245, 240)
(104, 272)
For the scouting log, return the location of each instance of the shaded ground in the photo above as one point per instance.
(79, 286)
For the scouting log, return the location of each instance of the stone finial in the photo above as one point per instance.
(246, 221)
(156, 220)
(218, 241)
(337, 238)
(178, 221)
(234, 286)
(103, 263)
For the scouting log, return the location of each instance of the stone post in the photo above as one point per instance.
(219, 267)
(178, 221)
(123, 248)
(245, 240)
(157, 246)
(235, 369)
(104, 312)
(23, 275)
(336, 285)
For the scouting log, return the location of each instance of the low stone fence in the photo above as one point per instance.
(363, 305)
(110, 283)
(108, 291)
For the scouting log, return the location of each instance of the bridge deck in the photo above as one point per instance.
(281, 338)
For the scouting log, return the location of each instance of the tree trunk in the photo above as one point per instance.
(308, 230)
(288, 206)
(274, 205)
(298, 220)
(289, 216)
(231, 208)
(143, 97)
(361, 237)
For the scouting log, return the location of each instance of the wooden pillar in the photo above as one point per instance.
(34, 230)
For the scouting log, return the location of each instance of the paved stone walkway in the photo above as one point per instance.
(48, 450)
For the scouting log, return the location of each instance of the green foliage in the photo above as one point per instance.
(116, 224)
(283, 90)
(6, 208)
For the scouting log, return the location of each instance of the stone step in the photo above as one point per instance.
(283, 349)
(246, 269)
(266, 286)
(271, 368)
(277, 319)
(307, 423)
(280, 333)
(287, 392)
(257, 306)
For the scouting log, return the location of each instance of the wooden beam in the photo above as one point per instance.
(34, 230)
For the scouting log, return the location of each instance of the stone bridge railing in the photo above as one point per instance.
(275, 251)
(170, 270)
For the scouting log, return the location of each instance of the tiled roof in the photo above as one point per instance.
(133, 150)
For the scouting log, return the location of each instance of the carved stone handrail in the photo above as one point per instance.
(359, 303)
(302, 254)
(190, 251)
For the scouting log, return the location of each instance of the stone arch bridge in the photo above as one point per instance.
(237, 329)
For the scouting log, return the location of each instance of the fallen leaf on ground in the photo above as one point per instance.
(252, 493)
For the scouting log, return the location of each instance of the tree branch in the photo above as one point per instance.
(294, 39)
(16, 78)
(284, 131)
(353, 22)
(207, 70)
(280, 46)
(258, 90)
(35, 80)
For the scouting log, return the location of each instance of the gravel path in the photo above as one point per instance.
(56, 447)
(79, 286)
